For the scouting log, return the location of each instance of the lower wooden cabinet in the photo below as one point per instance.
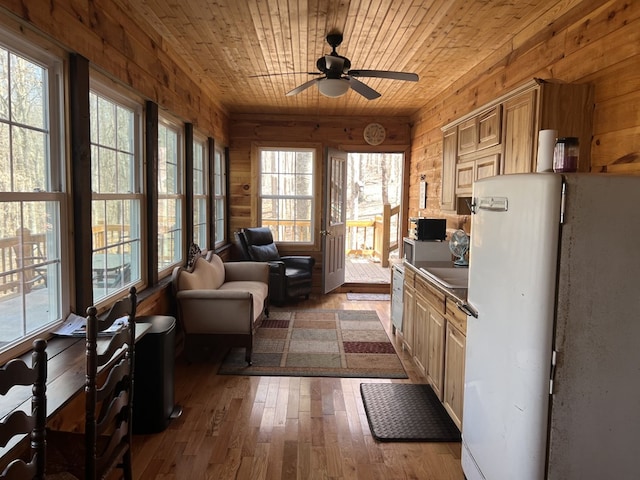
(408, 316)
(436, 346)
(455, 347)
(421, 334)
(434, 335)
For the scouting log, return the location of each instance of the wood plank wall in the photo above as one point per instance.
(598, 44)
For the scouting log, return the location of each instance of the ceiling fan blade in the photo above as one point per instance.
(409, 77)
(364, 90)
(280, 74)
(303, 87)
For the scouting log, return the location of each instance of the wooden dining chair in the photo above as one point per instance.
(105, 444)
(13, 374)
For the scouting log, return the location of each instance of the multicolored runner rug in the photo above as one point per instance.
(319, 343)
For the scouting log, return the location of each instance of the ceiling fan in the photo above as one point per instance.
(337, 77)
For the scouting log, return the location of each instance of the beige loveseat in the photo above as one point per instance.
(219, 299)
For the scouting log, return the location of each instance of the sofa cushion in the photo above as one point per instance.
(259, 290)
(217, 270)
(204, 276)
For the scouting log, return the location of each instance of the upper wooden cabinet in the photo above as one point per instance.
(489, 128)
(468, 136)
(449, 159)
(518, 142)
(479, 132)
(469, 171)
(506, 131)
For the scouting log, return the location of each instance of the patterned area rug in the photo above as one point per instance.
(319, 343)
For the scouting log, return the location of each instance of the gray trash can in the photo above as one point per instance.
(153, 387)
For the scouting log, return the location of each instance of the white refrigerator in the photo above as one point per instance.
(552, 372)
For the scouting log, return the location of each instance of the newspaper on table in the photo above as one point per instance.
(76, 326)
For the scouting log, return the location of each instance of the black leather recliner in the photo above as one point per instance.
(289, 276)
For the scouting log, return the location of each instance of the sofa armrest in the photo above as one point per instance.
(246, 271)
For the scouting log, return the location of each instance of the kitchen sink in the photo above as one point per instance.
(449, 277)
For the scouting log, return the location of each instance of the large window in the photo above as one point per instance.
(220, 196)
(170, 195)
(286, 193)
(116, 200)
(200, 192)
(32, 297)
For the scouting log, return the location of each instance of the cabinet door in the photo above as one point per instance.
(397, 292)
(421, 337)
(518, 127)
(449, 159)
(435, 360)
(454, 374)
(408, 316)
(468, 136)
(465, 172)
(489, 124)
(487, 167)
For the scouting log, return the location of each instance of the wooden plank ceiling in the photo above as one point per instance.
(226, 43)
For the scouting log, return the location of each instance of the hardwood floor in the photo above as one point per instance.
(235, 427)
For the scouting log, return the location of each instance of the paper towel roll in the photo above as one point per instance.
(546, 144)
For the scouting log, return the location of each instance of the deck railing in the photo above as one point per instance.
(376, 237)
(20, 257)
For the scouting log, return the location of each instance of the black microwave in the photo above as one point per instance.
(427, 228)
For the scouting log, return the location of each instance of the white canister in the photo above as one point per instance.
(546, 144)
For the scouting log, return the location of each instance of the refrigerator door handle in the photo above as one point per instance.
(467, 309)
(494, 204)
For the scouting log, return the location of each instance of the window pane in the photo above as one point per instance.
(116, 240)
(169, 232)
(200, 222)
(106, 123)
(168, 172)
(29, 160)
(5, 159)
(28, 93)
(170, 200)
(30, 269)
(286, 194)
(220, 197)
(4, 84)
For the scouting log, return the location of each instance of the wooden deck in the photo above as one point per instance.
(365, 270)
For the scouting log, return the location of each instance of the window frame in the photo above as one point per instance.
(312, 197)
(202, 142)
(56, 191)
(100, 86)
(220, 152)
(169, 122)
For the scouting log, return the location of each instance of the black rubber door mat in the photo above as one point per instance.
(403, 412)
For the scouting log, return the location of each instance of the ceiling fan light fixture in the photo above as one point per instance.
(333, 87)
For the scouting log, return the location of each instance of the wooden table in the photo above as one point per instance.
(66, 376)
